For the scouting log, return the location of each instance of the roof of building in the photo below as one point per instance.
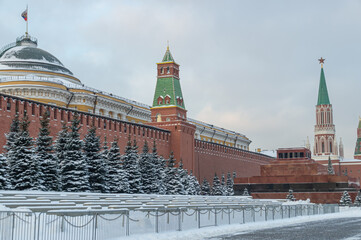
(168, 56)
(24, 54)
(322, 90)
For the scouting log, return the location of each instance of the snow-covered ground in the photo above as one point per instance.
(209, 232)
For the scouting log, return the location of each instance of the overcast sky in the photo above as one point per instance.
(249, 66)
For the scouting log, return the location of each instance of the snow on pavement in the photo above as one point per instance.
(198, 234)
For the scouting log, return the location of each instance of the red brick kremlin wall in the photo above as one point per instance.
(208, 157)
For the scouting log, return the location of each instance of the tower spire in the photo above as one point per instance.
(323, 98)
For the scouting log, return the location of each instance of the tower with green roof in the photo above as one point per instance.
(358, 141)
(168, 102)
(325, 144)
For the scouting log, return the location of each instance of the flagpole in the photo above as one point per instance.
(27, 20)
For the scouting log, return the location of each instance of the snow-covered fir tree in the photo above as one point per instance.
(95, 162)
(182, 175)
(9, 147)
(290, 196)
(245, 192)
(358, 199)
(4, 173)
(24, 169)
(234, 175)
(130, 161)
(48, 173)
(230, 191)
(172, 180)
(117, 177)
(73, 168)
(216, 186)
(224, 186)
(330, 169)
(159, 170)
(148, 171)
(345, 199)
(193, 185)
(205, 188)
(104, 155)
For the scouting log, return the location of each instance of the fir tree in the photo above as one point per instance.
(358, 199)
(230, 191)
(223, 185)
(48, 177)
(290, 195)
(330, 169)
(193, 185)
(96, 165)
(182, 175)
(24, 169)
(148, 171)
(245, 192)
(172, 181)
(117, 177)
(131, 167)
(345, 199)
(216, 187)
(104, 156)
(159, 170)
(9, 147)
(73, 168)
(205, 188)
(4, 173)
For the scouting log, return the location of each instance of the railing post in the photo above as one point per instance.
(229, 215)
(179, 220)
(265, 213)
(243, 215)
(254, 214)
(13, 227)
(156, 221)
(199, 217)
(127, 224)
(215, 217)
(289, 211)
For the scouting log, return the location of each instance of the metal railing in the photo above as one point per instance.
(107, 224)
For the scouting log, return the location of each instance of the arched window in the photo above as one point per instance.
(330, 147)
(323, 147)
(322, 118)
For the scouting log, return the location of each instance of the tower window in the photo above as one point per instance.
(323, 147)
(330, 147)
(161, 70)
(168, 70)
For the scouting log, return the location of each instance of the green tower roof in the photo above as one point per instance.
(322, 90)
(168, 56)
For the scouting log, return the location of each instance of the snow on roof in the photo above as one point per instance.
(271, 153)
(343, 160)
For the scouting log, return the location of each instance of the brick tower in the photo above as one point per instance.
(325, 144)
(168, 111)
(357, 154)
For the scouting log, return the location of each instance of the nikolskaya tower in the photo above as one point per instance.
(325, 144)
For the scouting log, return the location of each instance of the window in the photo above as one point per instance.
(280, 155)
(8, 105)
(322, 120)
(105, 124)
(33, 109)
(168, 71)
(61, 115)
(330, 147)
(323, 147)
(41, 110)
(55, 113)
(87, 120)
(161, 70)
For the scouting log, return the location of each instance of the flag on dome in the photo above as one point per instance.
(25, 15)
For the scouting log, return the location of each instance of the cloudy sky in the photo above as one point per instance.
(249, 66)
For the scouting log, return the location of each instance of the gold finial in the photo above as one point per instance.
(167, 45)
(321, 60)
